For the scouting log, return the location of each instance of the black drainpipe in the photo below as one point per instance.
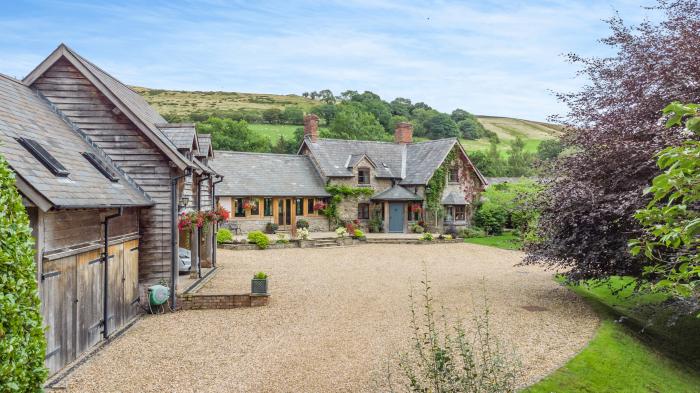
(105, 288)
(173, 234)
(199, 233)
(216, 226)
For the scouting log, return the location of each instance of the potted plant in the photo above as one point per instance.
(271, 228)
(302, 224)
(342, 234)
(304, 237)
(358, 234)
(258, 285)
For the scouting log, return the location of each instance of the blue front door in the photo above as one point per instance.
(396, 212)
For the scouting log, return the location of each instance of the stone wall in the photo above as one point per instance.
(347, 209)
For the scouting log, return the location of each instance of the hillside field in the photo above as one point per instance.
(183, 103)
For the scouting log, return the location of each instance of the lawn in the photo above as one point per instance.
(507, 241)
(274, 131)
(622, 358)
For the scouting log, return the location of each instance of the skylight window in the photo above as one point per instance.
(44, 157)
(101, 166)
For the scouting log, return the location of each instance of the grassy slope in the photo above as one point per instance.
(185, 102)
(620, 359)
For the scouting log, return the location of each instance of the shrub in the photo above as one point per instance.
(282, 239)
(22, 342)
(223, 236)
(452, 359)
(472, 232)
(358, 234)
(301, 223)
(451, 230)
(375, 224)
(415, 228)
(260, 276)
(258, 238)
(271, 227)
(341, 232)
(448, 237)
(492, 218)
(428, 237)
(303, 234)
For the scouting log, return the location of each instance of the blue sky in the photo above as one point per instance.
(488, 57)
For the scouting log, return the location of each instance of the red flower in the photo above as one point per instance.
(319, 206)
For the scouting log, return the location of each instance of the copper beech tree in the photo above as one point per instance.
(613, 133)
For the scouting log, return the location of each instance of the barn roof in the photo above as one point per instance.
(24, 114)
(265, 174)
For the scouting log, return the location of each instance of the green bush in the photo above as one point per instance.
(301, 224)
(492, 218)
(358, 234)
(260, 276)
(472, 232)
(508, 205)
(258, 238)
(428, 237)
(223, 236)
(22, 342)
(415, 228)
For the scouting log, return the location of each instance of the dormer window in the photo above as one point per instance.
(363, 176)
(453, 175)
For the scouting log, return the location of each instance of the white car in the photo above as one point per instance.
(185, 259)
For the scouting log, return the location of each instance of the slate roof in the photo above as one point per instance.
(265, 174)
(412, 164)
(396, 193)
(133, 101)
(454, 198)
(181, 134)
(24, 114)
(205, 145)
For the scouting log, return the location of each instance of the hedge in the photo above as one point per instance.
(22, 341)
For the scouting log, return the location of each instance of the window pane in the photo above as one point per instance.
(310, 205)
(268, 207)
(300, 206)
(240, 212)
(363, 176)
(363, 211)
(254, 207)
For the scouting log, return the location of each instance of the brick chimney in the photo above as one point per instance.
(311, 127)
(403, 133)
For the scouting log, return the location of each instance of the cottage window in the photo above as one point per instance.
(240, 211)
(449, 213)
(254, 207)
(300, 206)
(453, 175)
(310, 206)
(267, 211)
(460, 213)
(363, 176)
(363, 211)
(414, 212)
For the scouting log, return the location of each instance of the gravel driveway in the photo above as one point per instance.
(336, 318)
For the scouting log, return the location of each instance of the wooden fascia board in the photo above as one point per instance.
(32, 194)
(61, 51)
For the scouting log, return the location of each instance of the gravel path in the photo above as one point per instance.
(335, 319)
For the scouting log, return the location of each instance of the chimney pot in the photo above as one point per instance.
(311, 127)
(403, 133)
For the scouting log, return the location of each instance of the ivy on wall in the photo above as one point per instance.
(436, 186)
(340, 192)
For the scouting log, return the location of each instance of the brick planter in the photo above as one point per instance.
(195, 301)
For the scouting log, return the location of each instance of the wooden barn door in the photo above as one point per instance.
(90, 288)
(131, 279)
(59, 309)
(115, 315)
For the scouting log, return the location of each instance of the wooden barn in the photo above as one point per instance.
(103, 185)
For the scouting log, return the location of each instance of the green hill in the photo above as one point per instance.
(179, 103)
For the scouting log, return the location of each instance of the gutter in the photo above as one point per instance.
(105, 288)
(173, 235)
(216, 226)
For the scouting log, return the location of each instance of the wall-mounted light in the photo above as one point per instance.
(183, 203)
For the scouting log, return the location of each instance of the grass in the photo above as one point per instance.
(621, 358)
(274, 131)
(507, 241)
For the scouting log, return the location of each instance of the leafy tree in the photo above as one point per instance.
(373, 104)
(508, 205)
(327, 96)
(401, 107)
(671, 220)
(272, 115)
(460, 115)
(22, 342)
(421, 105)
(293, 115)
(227, 134)
(614, 133)
(549, 149)
(519, 161)
(348, 94)
(352, 122)
(441, 126)
(326, 112)
(420, 117)
(285, 146)
(470, 129)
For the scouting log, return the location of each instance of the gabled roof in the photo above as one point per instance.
(205, 148)
(126, 100)
(23, 113)
(332, 156)
(454, 198)
(265, 174)
(183, 135)
(396, 193)
(355, 159)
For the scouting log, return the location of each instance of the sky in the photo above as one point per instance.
(501, 58)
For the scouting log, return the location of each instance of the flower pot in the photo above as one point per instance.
(258, 286)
